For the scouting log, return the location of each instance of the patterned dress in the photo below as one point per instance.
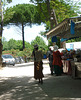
(38, 65)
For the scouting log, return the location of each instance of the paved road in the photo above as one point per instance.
(17, 83)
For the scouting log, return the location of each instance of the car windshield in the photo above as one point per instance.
(7, 56)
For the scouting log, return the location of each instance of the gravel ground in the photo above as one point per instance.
(17, 83)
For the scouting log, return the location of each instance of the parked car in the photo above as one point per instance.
(19, 60)
(8, 59)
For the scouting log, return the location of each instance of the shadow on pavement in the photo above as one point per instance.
(22, 88)
(62, 87)
(53, 88)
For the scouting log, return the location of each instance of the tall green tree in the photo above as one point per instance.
(22, 15)
(47, 13)
(41, 43)
(12, 44)
(1, 26)
(1, 29)
(2, 3)
(5, 44)
(55, 11)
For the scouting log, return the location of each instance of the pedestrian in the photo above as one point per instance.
(38, 64)
(50, 58)
(57, 61)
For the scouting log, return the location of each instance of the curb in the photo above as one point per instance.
(30, 63)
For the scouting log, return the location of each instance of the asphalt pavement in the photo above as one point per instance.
(17, 83)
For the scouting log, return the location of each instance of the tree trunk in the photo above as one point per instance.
(1, 29)
(23, 36)
(52, 18)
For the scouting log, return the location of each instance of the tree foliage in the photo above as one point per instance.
(63, 9)
(14, 47)
(14, 44)
(41, 43)
(22, 14)
(74, 40)
(17, 44)
(9, 1)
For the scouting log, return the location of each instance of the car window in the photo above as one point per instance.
(7, 56)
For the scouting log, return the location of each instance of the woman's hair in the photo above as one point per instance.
(55, 48)
(36, 47)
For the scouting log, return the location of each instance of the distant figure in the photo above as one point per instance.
(57, 63)
(50, 58)
(38, 64)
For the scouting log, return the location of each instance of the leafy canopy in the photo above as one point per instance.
(63, 9)
(41, 43)
(22, 14)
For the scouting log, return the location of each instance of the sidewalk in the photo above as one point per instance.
(54, 88)
(26, 88)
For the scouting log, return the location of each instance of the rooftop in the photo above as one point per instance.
(63, 29)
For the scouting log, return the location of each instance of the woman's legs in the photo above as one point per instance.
(58, 70)
(40, 80)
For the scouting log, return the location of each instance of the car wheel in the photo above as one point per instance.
(13, 64)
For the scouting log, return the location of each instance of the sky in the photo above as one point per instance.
(29, 33)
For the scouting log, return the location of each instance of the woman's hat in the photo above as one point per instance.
(35, 46)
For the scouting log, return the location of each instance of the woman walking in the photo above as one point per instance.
(38, 64)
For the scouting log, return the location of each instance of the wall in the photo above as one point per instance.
(73, 45)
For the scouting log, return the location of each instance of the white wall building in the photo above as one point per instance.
(73, 45)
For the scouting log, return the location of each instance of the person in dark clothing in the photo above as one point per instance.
(50, 58)
(38, 64)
